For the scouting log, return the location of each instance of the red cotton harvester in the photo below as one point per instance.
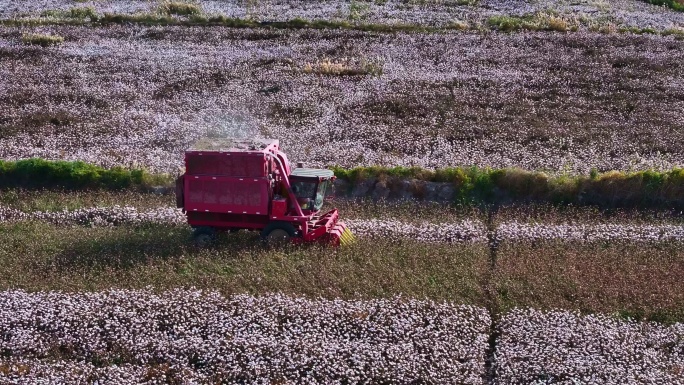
(233, 184)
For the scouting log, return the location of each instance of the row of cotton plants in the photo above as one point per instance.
(466, 230)
(241, 339)
(564, 347)
(21, 371)
(463, 231)
(138, 96)
(97, 216)
(587, 232)
(419, 12)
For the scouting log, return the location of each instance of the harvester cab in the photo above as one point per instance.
(234, 184)
(310, 186)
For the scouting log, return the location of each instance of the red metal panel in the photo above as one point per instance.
(254, 165)
(278, 207)
(227, 194)
(219, 220)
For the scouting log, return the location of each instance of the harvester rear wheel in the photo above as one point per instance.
(204, 236)
(277, 233)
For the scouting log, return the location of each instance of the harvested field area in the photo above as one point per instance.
(39, 256)
(573, 259)
(136, 96)
(624, 278)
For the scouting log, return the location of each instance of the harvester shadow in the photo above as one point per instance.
(143, 246)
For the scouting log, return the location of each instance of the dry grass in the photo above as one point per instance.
(358, 10)
(179, 8)
(537, 22)
(459, 25)
(40, 39)
(605, 28)
(83, 13)
(677, 32)
(37, 256)
(522, 183)
(17, 369)
(637, 280)
(343, 67)
(555, 23)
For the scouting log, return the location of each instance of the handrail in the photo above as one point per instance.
(286, 181)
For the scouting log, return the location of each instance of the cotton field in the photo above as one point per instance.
(121, 337)
(190, 335)
(107, 287)
(137, 96)
(565, 347)
(432, 13)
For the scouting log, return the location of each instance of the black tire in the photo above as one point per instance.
(278, 233)
(204, 236)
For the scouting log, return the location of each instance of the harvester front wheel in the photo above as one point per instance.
(277, 233)
(204, 236)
